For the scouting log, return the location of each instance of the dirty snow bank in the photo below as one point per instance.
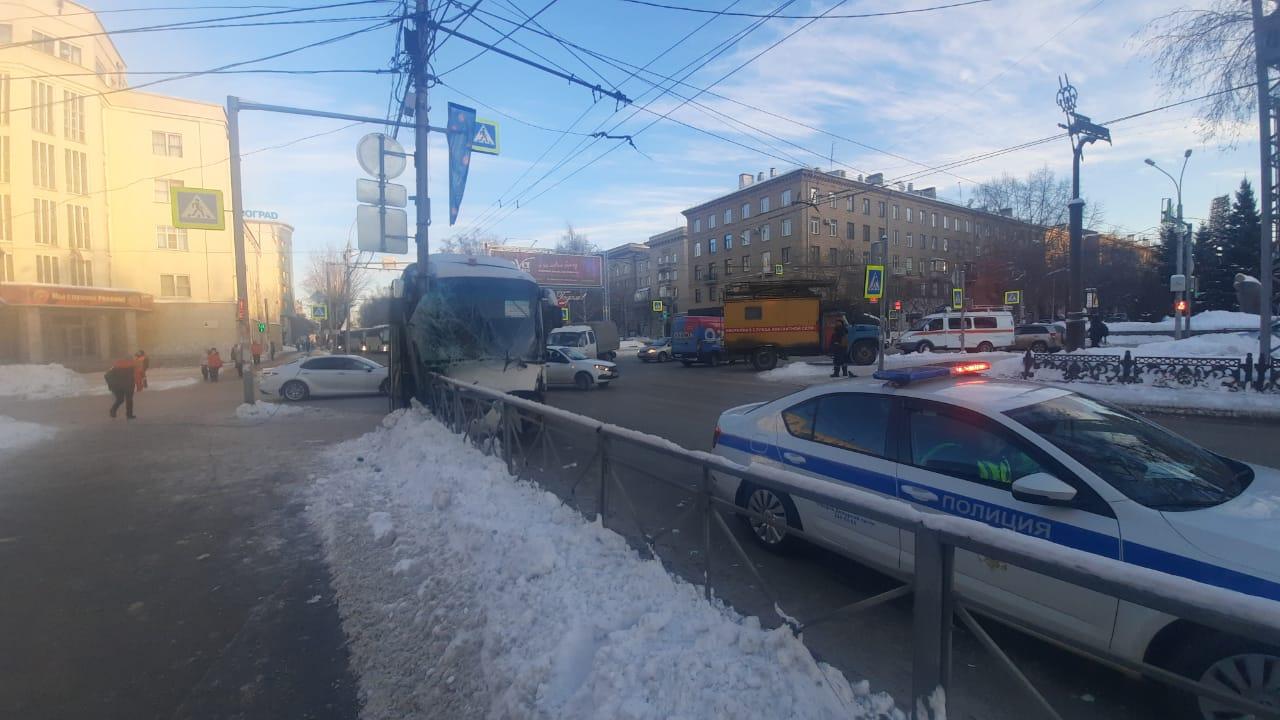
(45, 382)
(266, 410)
(466, 593)
(1207, 320)
(16, 434)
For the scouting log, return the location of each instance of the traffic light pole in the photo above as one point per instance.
(421, 134)
(237, 234)
(1269, 145)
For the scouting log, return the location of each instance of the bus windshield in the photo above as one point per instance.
(477, 318)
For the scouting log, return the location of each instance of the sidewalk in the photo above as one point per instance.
(163, 568)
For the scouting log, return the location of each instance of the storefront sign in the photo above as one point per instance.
(62, 296)
(556, 270)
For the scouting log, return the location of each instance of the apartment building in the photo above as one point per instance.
(631, 288)
(669, 253)
(91, 266)
(819, 224)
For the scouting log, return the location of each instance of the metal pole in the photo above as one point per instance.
(964, 297)
(931, 625)
(884, 298)
(382, 192)
(1075, 276)
(421, 131)
(1265, 134)
(237, 234)
(1178, 296)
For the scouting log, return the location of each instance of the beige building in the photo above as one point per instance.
(669, 256)
(812, 223)
(91, 266)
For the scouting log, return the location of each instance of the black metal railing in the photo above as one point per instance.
(1214, 373)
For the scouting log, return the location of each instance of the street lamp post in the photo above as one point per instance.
(1184, 249)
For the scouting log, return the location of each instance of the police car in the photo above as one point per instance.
(1038, 460)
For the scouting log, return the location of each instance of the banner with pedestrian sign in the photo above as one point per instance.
(196, 208)
(874, 286)
(485, 138)
(957, 299)
(1012, 297)
(462, 129)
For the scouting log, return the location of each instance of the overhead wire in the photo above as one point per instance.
(824, 16)
(495, 43)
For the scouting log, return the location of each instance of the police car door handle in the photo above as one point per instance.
(793, 458)
(919, 493)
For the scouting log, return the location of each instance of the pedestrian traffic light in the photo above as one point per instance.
(1180, 306)
(262, 327)
(897, 305)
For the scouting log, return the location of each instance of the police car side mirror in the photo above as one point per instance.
(1043, 489)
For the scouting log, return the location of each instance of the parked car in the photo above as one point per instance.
(323, 375)
(570, 366)
(984, 330)
(1037, 338)
(596, 339)
(1037, 460)
(656, 351)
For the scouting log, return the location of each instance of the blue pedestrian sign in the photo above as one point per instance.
(485, 139)
(875, 282)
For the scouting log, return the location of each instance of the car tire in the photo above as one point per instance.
(863, 353)
(764, 359)
(1039, 346)
(778, 505)
(384, 388)
(663, 357)
(1223, 661)
(924, 347)
(986, 347)
(583, 381)
(295, 391)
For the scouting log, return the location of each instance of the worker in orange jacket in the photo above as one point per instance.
(141, 364)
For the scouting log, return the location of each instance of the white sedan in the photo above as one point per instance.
(570, 366)
(324, 375)
(1041, 461)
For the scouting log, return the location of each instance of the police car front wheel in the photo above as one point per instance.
(1236, 665)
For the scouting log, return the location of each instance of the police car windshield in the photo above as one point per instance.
(1146, 463)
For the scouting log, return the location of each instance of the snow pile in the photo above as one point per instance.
(1130, 341)
(467, 593)
(15, 434)
(1207, 320)
(46, 382)
(288, 348)
(1235, 345)
(265, 410)
(802, 371)
(632, 344)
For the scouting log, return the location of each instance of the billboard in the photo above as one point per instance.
(556, 270)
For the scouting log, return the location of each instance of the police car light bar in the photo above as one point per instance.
(905, 376)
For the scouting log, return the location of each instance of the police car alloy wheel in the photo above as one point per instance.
(1254, 676)
(777, 511)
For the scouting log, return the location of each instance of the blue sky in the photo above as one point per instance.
(928, 88)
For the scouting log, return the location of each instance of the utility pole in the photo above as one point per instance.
(1267, 52)
(237, 234)
(1081, 131)
(1181, 305)
(884, 298)
(421, 130)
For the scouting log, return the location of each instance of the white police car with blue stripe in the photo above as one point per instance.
(1041, 461)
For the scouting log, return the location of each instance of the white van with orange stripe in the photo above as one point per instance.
(984, 330)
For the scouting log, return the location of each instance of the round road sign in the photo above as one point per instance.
(394, 161)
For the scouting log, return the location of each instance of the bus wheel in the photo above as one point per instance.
(764, 359)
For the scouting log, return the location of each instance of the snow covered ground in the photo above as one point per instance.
(16, 434)
(43, 382)
(1208, 320)
(467, 593)
(266, 410)
(799, 371)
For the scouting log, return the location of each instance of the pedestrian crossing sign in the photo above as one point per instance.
(196, 208)
(875, 282)
(486, 138)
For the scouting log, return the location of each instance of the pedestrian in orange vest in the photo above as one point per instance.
(141, 364)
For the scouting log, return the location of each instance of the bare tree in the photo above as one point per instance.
(1207, 52)
(375, 310)
(574, 242)
(468, 243)
(336, 278)
(1040, 199)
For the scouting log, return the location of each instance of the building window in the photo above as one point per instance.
(41, 107)
(766, 261)
(77, 172)
(4, 99)
(933, 219)
(46, 222)
(909, 239)
(728, 241)
(4, 159)
(813, 227)
(697, 249)
(764, 204)
(43, 173)
(908, 214)
(764, 233)
(882, 235)
(175, 286)
(81, 272)
(746, 263)
(73, 115)
(711, 246)
(162, 189)
(6, 218)
(43, 43)
(786, 198)
(171, 238)
(697, 224)
(945, 242)
(6, 267)
(746, 237)
(746, 211)
(815, 255)
(895, 237)
(833, 256)
(70, 53)
(935, 242)
(78, 227)
(786, 227)
(711, 293)
(832, 228)
(47, 270)
(894, 213)
(168, 144)
(866, 257)
(907, 266)
(697, 295)
(850, 231)
(966, 225)
(866, 233)
(711, 271)
(711, 221)
(880, 208)
(786, 255)
(895, 262)
(697, 272)
(728, 267)
(866, 206)
(728, 216)
(6, 33)
(848, 204)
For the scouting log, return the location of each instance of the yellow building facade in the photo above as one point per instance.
(91, 266)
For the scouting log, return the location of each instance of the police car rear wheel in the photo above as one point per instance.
(778, 513)
(1235, 665)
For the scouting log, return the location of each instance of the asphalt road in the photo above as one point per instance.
(682, 405)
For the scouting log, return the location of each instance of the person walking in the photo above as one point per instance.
(120, 381)
(1098, 331)
(141, 364)
(256, 349)
(215, 364)
(839, 350)
(273, 351)
(204, 365)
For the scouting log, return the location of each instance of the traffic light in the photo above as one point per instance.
(897, 305)
(262, 327)
(1180, 306)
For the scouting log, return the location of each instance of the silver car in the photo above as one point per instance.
(569, 366)
(320, 375)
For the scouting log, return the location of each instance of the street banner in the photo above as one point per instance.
(874, 283)
(462, 129)
(486, 137)
(555, 269)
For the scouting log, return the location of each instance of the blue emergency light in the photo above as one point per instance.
(905, 376)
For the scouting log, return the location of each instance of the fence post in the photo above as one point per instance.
(707, 508)
(506, 435)
(931, 626)
(604, 473)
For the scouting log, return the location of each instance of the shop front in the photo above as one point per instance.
(75, 326)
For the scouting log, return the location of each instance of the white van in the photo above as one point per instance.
(984, 329)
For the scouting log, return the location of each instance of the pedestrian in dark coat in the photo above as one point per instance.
(839, 350)
(1098, 331)
(237, 357)
(120, 381)
(256, 348)
(273, 350)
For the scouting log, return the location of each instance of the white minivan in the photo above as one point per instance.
(984, 330)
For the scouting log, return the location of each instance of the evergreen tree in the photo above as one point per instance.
(1215, 288)
(1168, 253)
(1240, 239)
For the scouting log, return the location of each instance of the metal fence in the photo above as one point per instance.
(585, 461)
(1215, 373)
